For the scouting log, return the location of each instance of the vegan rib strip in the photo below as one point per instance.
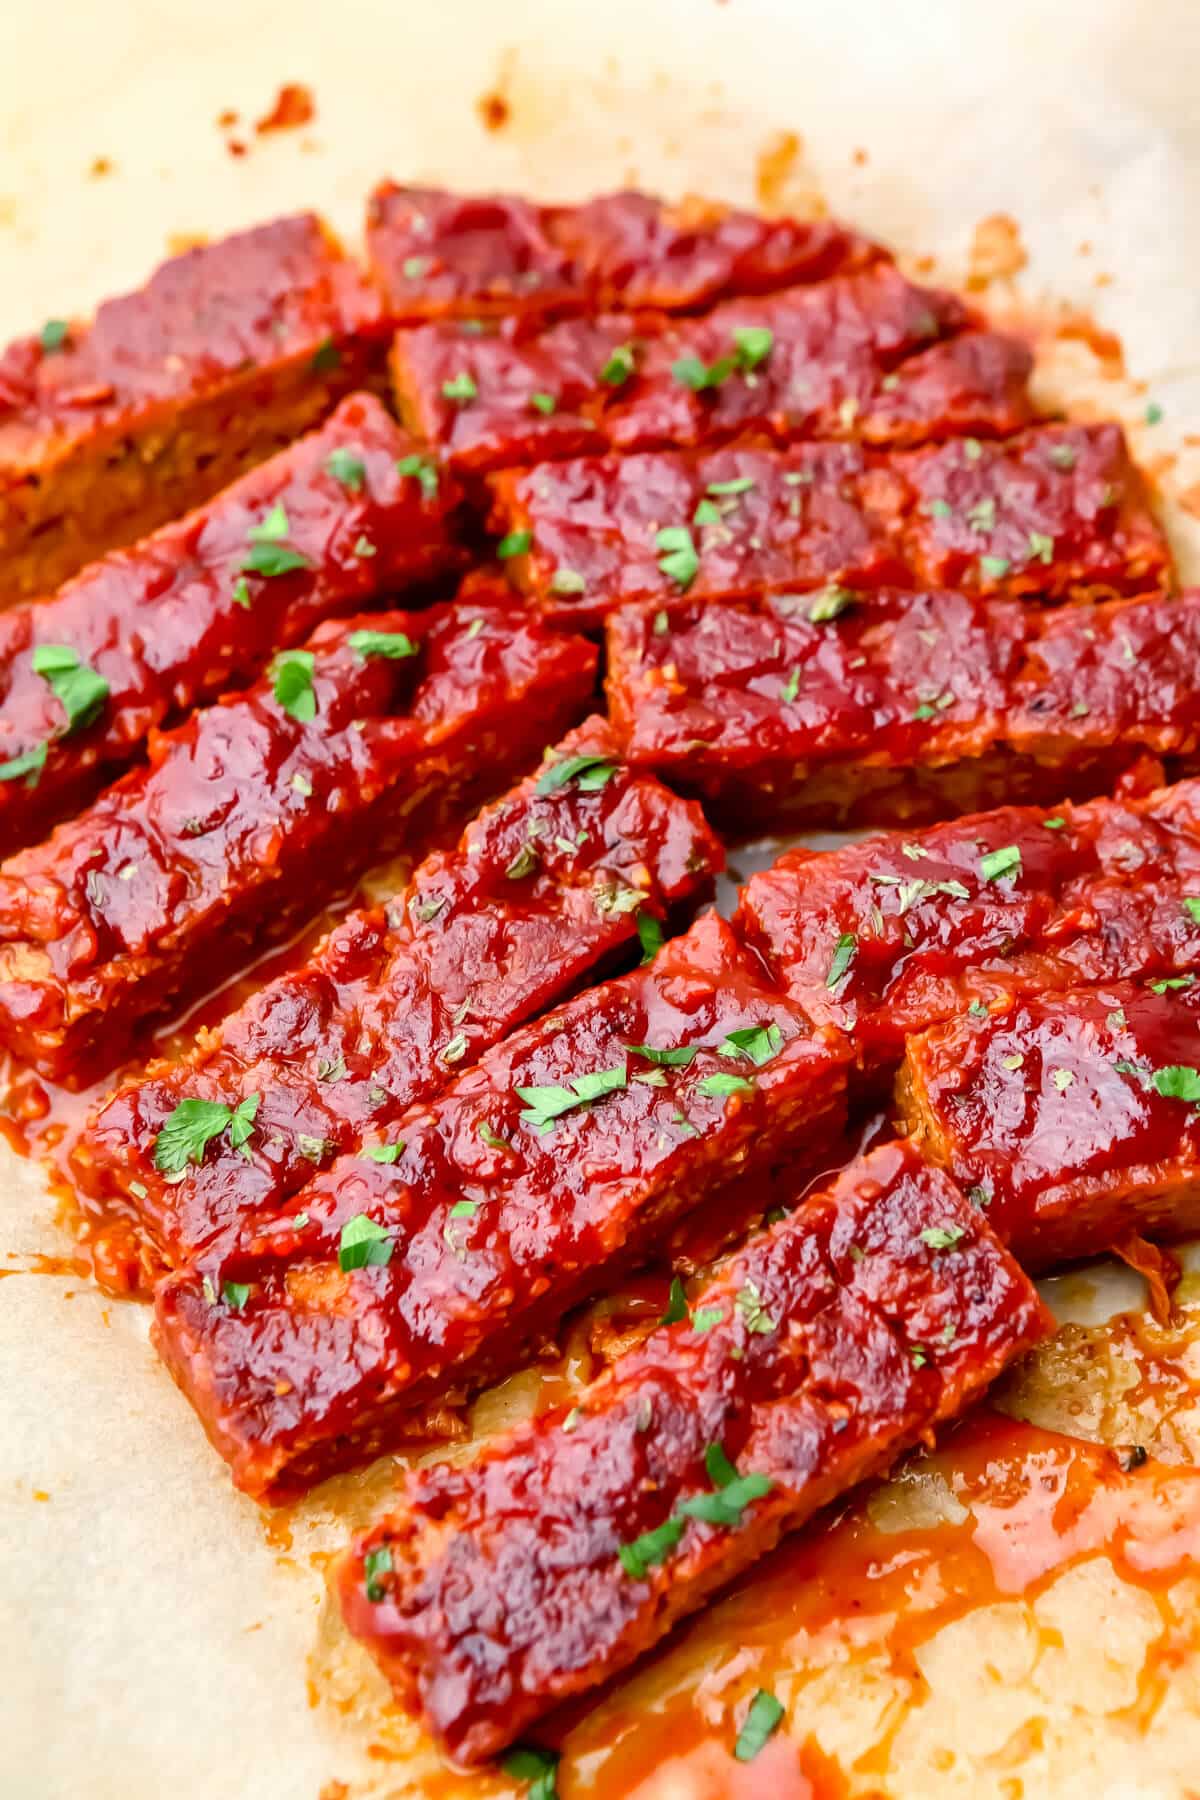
(869, 357)
(434, 1261)
(112, 426)
(255, 810)
(886, 937)
(1055, 512)
(853, 1328)
(821, 710)
(442, 255)
(203, 602)
(543, 891)
(1072, 1117)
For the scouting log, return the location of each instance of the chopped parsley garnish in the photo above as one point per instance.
(364, 547)
(705, 1317)
(376, 1563)
(241, 593)
(1154, 413)
(491, 1138)
(650, 936)
(997, 863)
(413, 267)
(392, 644)
(383, 1153)
(942, 1237)
(845, 950)
(364, 1242)
(691, 373)
(725, 1084)
(677, 1058)
(1054, 824)
(830, 604)
(740, 484)
(267, 554)
(763, 1719)
(749, 1303)
(759, 1042)
(546, 1104)
(650, 1548)
(523, 863)
(791, 688)
(293, 672)
(53, 335)
(995, 567)
(235, 1294)
(193, 1125)
(347, 468)
(460, 387)
(29, 764)
(620, 366)
(567, 581)
(1041, 547)
(325, 357)
(1191, 906)
(677, 1306)
(1177, 1082)
(422, 469)
(679, 560)
(79, 690)
(1063, 456)
(516, 543)
(543, 403)
(1171, 982)
(753, 345)
(706, 513)
(589, 773)
(978, 1010)
(536, 1767)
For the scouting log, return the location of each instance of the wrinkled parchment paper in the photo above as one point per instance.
(158, 1642)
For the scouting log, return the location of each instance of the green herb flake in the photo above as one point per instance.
(978, 1010)
(382, 1153)
(763, 1719)
(235, 1294)
(536, 1767)
(940, 509)
(53, 335)
(546, 1104)
(294, 690)
(830, 604)
(79, 689)
(749, 1303)
(705, 1317)
(1041, 547)
(1191, 906)
(998, 863)
(758, 1042)
(376, 1563)
(942, 1237)
(491, 1138)
(740, 484)
(650, 1548)
(753, 344)
(679, 562)
(650, 936)
(720, 1084)
(706, 513)
(620, 366)
(364, 1243)
(364, 547)
(845, 950)
(662, 623)
(677, 1306)
(29, 765)
(1177, 1082)
(1154, 413)
(1170, 982)
(393, 644)
(348, 468)
(995, 568)
(1063, 456)
(515, 543)
(422, 469)
(194, 1124)
(567, 581)
(460, 387)
(1054, 824)
(678, 1057)
(691, 373)
(414, 267)
(241, 593)
(589, 773)
(543, 403)
(325, 358)
(790, 688)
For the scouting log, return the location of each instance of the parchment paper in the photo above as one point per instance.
(157, 1642)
